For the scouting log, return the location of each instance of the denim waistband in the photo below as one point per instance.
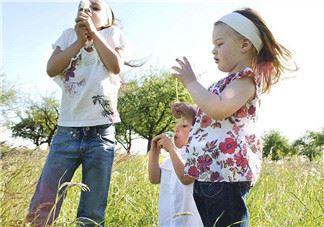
(87, 131)
(248, 183)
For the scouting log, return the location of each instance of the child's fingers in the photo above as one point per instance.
(186, 61)
(177, 109)
(83, 14)
(156, 138)
(81, 18)
(176, 68)
(159, 144)
(180, 62)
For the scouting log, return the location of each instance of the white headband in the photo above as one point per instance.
(245, 27)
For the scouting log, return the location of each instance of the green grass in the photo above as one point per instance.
(289, 192)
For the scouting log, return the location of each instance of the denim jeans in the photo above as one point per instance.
(222, 204)
(91, 147)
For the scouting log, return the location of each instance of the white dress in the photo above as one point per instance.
(176, 204)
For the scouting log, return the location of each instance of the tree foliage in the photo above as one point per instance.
(310, 145)
(275, 146)
(8, 92)
(8, 97)
(38, 122)
(124, 129)
(145, 109)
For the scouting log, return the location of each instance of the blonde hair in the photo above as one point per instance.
(110, 15)
(273, 59)
(181, 121)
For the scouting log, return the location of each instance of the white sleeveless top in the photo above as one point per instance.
(176, 203)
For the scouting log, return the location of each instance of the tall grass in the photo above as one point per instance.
(289, 192)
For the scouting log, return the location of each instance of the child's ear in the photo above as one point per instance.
(246, 45)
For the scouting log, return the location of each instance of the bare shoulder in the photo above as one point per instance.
(246, 83)
(243, 87)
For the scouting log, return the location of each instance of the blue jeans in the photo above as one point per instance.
(91, 147)
(222, 204)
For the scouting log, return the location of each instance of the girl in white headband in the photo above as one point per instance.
(224, 153)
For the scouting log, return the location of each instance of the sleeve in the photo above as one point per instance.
(117, 39)
(64, 41)
(247, 72)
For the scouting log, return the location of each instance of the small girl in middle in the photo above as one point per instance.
(176, 204)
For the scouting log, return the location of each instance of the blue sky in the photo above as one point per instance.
(165, 30)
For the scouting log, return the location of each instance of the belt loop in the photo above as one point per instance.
(98, 129)
(75, 133)
(86, 131)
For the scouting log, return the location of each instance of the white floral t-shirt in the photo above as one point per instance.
(89, 90)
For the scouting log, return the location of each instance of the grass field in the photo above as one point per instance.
(289, 192)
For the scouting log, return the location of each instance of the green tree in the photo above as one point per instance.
(38, 122)
(8, 98)
(145, 109)
(8, 92)
(311, 144)
(124, 130)
(275, 145)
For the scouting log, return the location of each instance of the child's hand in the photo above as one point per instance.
(84, 21)
(184, 72)
(163, 141)
(183, 110)
(155, 147)
(82, 33)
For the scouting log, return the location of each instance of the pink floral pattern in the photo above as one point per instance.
(227, 150)
(204, 163)
(205, 121)
(228, 146)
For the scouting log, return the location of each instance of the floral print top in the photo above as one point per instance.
(226, 150)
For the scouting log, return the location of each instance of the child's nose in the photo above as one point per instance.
(88, 11)
(214, 50)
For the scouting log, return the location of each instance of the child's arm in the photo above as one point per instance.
(177, 161)
(109, 56)
(60, 59)
(154, 170)
(232, 98)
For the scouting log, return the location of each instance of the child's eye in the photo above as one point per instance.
(95, 8)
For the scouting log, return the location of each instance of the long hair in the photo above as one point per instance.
(130, 63)
(273, 58)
